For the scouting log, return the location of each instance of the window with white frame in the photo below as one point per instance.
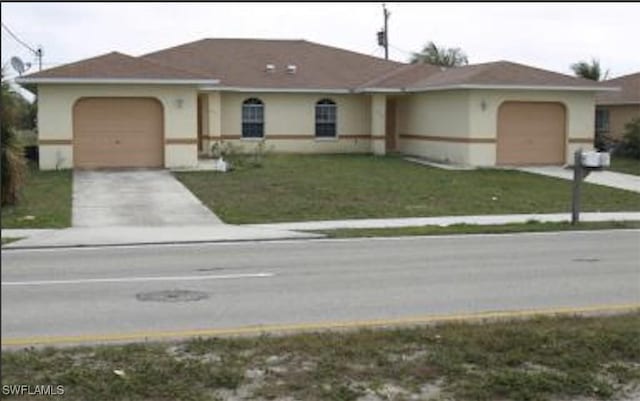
(326, 118)
(252, 118)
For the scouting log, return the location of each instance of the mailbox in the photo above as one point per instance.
(595, 159)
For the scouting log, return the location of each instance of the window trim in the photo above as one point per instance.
(252, 103)
(328, 104)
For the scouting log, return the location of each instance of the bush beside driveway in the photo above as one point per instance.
(45, 201)
(325, 187)
(627, 165)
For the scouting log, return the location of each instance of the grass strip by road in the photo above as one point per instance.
(328, 187)
(8, 240)
(544, 358)
(627, 165)
(45, 201)
(532, 226)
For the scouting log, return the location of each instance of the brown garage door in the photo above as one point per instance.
(531, 133)
(118, 132)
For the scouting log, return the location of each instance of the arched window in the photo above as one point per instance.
(326, 118)
(252, 118)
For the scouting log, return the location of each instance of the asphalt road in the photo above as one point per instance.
(113, 292)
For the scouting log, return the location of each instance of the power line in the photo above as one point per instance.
(14, 36)
(37, 52)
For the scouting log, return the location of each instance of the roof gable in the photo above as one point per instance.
(242, 63)
(115, 65)
(629, 90)
(501, 73)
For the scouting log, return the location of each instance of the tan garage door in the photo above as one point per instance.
(118, 132)
(531, 133)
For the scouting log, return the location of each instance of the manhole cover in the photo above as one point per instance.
(586, 260)
(172, 296)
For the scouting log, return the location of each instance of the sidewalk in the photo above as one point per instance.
(133, 235)
(111, 236)
(611, 179)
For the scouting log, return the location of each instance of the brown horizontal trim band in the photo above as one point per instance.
(354, 136)
(580, 140)
(181, 141)
(294, 137)
(378, 137)
(55, 142)
(447, 139)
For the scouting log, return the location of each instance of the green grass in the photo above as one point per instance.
(325, 187)
(626, 165)
(45, 201)
(536, 360)
(532, 226)
(8, 240)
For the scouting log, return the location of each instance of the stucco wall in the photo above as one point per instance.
(55, 119)
(461, 126)
(619, 116)
(289, 121)
(433, 124)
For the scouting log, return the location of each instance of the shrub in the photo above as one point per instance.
(13, 162)
(630, 145)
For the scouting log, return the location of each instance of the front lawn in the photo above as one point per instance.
(45, 201)
(627, 165)
(326, 187)
(543, 359)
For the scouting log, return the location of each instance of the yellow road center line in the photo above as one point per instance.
(301, 327)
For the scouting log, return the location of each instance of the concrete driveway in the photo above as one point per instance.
(611, 179)
(138, 197)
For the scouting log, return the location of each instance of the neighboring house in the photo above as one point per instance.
(615, 109)
(165, 108)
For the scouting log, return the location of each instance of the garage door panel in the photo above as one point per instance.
(118, 132)
(531, 133)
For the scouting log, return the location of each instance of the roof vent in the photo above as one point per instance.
(270, 67)
(292, 68)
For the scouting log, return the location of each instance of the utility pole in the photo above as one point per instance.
(386, 31)
(383, 35)
(39, 56)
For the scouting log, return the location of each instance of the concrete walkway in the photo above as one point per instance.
(611, 179)
(136, 198)
(109, 236)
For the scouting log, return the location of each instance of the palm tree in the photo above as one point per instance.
(442, 56)
(591, 71)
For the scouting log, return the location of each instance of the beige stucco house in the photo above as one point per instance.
(167, 108)
(616, 109)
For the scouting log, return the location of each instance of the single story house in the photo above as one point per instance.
(615, 109)
(166, 108)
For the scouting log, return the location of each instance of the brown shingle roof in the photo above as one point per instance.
(629, 90)
(402, 77)
(242, 63)
(116, 65)
(500, 73)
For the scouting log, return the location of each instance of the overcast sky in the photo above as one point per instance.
(546, 35)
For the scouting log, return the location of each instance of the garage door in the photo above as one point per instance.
(118, 132)
(531, 133)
